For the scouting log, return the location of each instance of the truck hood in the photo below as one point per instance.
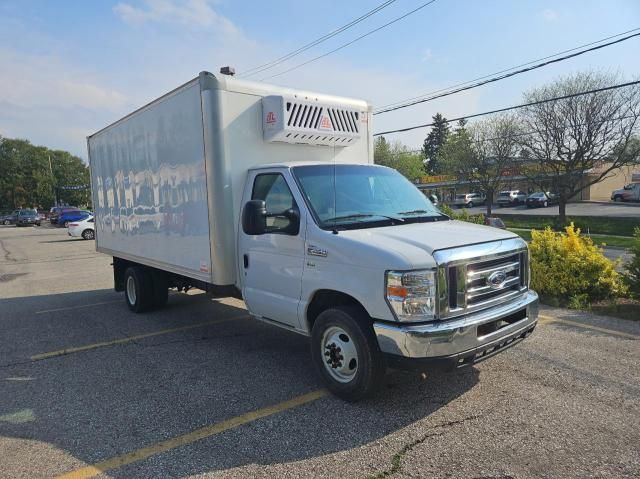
(410, 242)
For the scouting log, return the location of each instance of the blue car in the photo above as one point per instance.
(70, 216)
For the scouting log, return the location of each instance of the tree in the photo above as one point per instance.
(433, 144)
(483, 154)
(568, 138)
(399, 157)
(30, 175)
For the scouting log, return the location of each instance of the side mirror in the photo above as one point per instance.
(254, 217)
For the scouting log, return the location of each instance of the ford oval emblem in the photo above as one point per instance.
(496, 279)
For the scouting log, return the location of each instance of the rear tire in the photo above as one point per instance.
(346, 354)
(138, 289)
(6, 222)
(66, 224)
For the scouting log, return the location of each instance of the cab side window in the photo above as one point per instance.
(272, 188)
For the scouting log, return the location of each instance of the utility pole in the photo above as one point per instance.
(53, 179)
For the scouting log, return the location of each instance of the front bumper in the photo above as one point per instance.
(459, 341)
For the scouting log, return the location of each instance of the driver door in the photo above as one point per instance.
(271, 263)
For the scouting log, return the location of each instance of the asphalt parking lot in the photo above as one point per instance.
(617, 210)
(88, 389)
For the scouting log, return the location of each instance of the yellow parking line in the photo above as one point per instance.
(191, 437)
(69, 308)
(549, 319)
(77, 349)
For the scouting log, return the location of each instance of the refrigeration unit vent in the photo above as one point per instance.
(292, 120)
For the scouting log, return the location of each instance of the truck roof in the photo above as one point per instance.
(229, 83)
(291, 164)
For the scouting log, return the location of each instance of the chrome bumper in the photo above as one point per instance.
(460, 338)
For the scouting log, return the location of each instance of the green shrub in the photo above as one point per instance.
(632, 275)
(569, 266)
(463, 215)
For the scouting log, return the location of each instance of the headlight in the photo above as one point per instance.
(412, 294)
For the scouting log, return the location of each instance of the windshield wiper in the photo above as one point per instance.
(363, 215)
(434, 217)
(413, 212)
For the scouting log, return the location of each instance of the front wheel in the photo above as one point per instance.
(470, 204)
(618, 199)
(6, 222)
(545, 204)
(88, 234)
(345, 352)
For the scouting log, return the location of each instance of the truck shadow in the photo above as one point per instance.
(98, 403)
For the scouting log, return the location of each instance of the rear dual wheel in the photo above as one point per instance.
(145, 289)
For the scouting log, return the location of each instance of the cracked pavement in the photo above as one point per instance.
(563, 404)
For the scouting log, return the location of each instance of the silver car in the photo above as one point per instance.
(469, 200)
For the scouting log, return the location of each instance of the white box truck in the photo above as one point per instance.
(271, 194)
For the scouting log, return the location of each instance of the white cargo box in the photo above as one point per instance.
(167, 180)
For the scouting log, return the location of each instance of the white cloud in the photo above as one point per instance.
(185, 12)
(46, 80)
(550, 15)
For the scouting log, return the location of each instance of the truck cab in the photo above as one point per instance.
(355, 257)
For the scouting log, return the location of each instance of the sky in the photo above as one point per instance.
(70, 67)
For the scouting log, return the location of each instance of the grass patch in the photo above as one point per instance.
(601, 240)
(623, 308)
(588, 224)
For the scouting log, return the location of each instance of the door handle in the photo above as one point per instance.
(245, 259)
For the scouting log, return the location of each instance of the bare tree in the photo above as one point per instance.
(483, 154)
(566, 139)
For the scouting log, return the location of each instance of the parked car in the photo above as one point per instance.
(56, 211)
(70, 216)
(9, 218)
(495, 222)
(511, 198)
(469, 200)
(631, 192)
(541, 199)
(83, 229)
(434, 199)
(27, 218)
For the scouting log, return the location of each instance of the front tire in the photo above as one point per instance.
(88, 234)
(138, 289)
(346, 354)
(470, 204)
(617, 199)
(6, 222)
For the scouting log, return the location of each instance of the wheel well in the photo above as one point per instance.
(327, 298)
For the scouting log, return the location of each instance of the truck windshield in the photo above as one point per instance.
(359, 196)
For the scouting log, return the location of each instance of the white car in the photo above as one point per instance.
(82, 229)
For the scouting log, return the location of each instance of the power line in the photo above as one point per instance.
(317, 41)
(523, 105)
(508, 69)
(351, 42)
(528, 133)
(506, 75)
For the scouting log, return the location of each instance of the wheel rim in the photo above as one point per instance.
(339, 354)
(131, 290)
(546, 204)
(88, 234)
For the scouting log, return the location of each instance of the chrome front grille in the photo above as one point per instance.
(479, 288)
(469, 280)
